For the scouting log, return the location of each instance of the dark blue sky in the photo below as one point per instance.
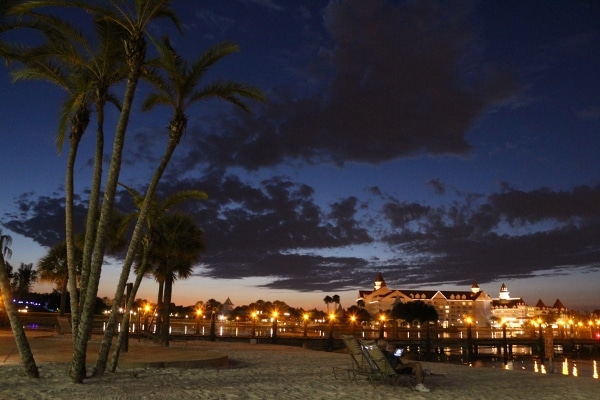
(438, 143)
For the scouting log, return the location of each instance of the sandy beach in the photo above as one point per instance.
(262, 371)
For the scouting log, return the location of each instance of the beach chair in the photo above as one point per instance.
(359, 364)
(382, 370)
(385, 371)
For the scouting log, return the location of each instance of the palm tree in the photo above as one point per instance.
(70, 60)
(131, 18)
(179, 91)
(17, 328)
(22, 280)
(328, 300)
(53, 268)
(178, 243)
(336, 299)
(158, 210)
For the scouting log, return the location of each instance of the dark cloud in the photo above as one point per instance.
(478, 240)
(438, 186)
(402, 78)
(276, 230)
(41, 218)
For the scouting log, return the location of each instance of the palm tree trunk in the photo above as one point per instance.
(136, 237)
(136, 285)
(63, 297)
(92, 214)
(17, 328)
(166, 320)
(77, 372)
(160, 305)
(70, 241)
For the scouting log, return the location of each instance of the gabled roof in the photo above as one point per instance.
(228, 302)
(380, 279)
(559, 305)
(540, 304)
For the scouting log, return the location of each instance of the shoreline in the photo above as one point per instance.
(266, 371)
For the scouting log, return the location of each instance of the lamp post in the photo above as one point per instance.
(139, 323)
(198, 315)
(305, 318)
(353, 324)
(541, 338)
(381, 325)
(331, 319)
(146, 317)
(504, 344)
(274, 333)
(212, 335)
(469, 321)
(253, 335)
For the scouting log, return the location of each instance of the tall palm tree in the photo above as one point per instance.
(336, 299)
(131, 17)
(17, 328)
(158, 209)
(328, 300)
(179, 90)
(178, 243)
(70, 60)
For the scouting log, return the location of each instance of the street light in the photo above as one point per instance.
(254, 324)
(274, 334)
(469, 322)
(331, 319)
(305, 317)
(353, 323)
(146, 316)
(198, 315)
(381, 325)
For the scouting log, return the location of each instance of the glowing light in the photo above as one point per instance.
(575, 369)
(595, 376)
(543, 369)
(535, 366)
(565, 367)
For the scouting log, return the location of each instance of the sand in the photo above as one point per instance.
(265, 371)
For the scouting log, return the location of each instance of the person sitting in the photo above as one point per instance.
(413, 367)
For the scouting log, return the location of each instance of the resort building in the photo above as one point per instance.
(511, 311)
(454, 306)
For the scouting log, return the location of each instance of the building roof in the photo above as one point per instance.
(228, 302)
(559, 305)
(508, 303)
(380, 279)
(540, 304)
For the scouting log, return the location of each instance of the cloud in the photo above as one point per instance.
(508, 234)
(276, 230)
(397, 79)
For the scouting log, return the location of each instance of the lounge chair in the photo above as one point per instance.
(359, 363)
(382, 369)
